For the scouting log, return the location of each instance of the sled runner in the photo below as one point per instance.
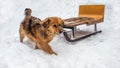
(89, 15)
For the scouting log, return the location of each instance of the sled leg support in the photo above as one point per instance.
(81, 38)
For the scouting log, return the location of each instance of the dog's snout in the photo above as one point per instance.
(60, 32)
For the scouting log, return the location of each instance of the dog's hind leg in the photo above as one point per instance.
(21, 33)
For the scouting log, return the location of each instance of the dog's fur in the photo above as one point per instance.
(40, 32)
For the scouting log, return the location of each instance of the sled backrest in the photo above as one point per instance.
(95, 11)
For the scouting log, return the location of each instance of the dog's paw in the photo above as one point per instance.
(54, 53)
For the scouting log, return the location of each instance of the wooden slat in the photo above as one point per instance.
(71, 22)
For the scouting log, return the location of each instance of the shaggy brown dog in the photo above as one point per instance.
(40, 32)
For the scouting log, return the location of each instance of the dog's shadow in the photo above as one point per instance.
(29, 43)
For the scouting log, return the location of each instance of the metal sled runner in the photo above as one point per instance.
(89, 15)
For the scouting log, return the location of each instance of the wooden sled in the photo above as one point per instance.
(88, 14)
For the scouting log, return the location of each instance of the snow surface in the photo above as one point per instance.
(99, 51)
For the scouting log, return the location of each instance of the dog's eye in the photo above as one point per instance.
(55, 25)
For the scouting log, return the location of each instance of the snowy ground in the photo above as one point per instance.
(99, 51)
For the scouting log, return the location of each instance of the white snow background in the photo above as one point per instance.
(98, 51)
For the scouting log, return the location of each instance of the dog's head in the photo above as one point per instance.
(53, 25)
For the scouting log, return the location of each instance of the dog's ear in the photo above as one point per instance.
(46, 23)
(62, 22)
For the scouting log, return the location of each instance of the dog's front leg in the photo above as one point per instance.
(45, 47)
(49, 49)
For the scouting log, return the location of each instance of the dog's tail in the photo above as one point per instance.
(28, 12)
